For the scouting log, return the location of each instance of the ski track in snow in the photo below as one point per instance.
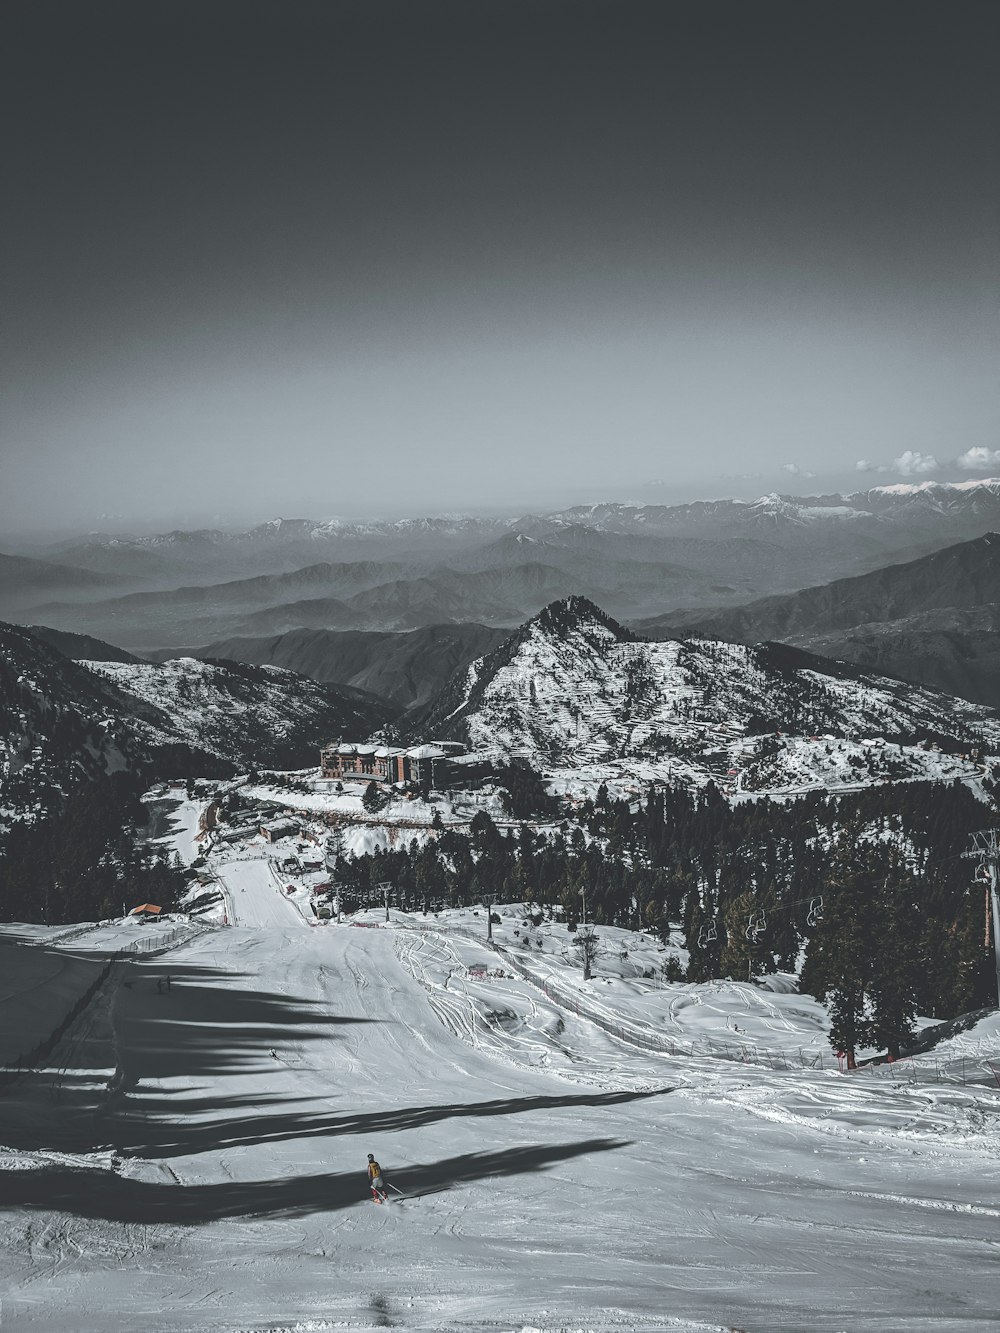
(557, 1179)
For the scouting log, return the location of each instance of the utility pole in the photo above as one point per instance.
(986, 850)
(386, 888)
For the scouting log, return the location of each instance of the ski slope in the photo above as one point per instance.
(195, 1159)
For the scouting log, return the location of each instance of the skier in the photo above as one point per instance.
(379, 1193)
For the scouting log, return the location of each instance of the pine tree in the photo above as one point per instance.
(837, 967)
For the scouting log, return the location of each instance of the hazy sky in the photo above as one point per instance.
(309, 257)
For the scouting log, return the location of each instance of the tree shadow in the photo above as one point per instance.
(159, 1134)
(209, 1025)
(105, 1195)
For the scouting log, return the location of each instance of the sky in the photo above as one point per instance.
(320, 257)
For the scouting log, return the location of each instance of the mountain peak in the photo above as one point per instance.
(573, 613)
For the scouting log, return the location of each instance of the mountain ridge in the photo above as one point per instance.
(65, 723)
(901, 618)
(572, 689)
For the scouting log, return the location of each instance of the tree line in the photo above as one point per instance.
(81, 861)
(866, 895)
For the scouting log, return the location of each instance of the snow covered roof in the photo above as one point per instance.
(426, 752)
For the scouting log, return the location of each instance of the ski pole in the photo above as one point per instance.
(399, 1192)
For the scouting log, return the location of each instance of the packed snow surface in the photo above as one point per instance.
(194, 1157)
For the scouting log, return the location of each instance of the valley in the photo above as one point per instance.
(646, 956)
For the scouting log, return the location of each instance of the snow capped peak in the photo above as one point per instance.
(572, 688)
(931, 487)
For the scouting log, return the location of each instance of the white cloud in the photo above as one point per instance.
(910, 463)
(863, 465)
(795, 470)
(974, 460)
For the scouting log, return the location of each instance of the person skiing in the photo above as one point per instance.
(379, 1193)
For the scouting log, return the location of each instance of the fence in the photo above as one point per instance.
(960, 1069)
(143, 946)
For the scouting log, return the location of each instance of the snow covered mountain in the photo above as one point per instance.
(63, 723)
(904, 503)
(281, 545)
(259, 715)
(932, 620)
(572, 688)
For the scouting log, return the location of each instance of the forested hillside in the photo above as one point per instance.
(869, 894)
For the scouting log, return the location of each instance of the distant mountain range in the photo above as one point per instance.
(637, 561)
(282, 545)
(23, 581)
(934, 620)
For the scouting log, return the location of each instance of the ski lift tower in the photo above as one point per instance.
(337, 888)
(488, 900)
(386, 888)
(986, 850)
(586, 938)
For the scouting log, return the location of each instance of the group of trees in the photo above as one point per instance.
(82, 861)
(867, 895)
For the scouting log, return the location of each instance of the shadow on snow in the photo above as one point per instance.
(97, 1194)
(209, 1024)
(170, 1139)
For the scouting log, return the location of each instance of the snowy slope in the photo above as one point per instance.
(572, 688)
(203, 1168)
(64, 724)
(249, 714)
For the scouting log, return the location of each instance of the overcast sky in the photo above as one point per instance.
(312, 257)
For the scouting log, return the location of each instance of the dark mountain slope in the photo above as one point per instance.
(404, 667)
(933, 620)
(954, 649)
(64, 724)
(80, 647)
(966, 575)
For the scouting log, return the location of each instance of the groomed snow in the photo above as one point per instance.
(197, 1160)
